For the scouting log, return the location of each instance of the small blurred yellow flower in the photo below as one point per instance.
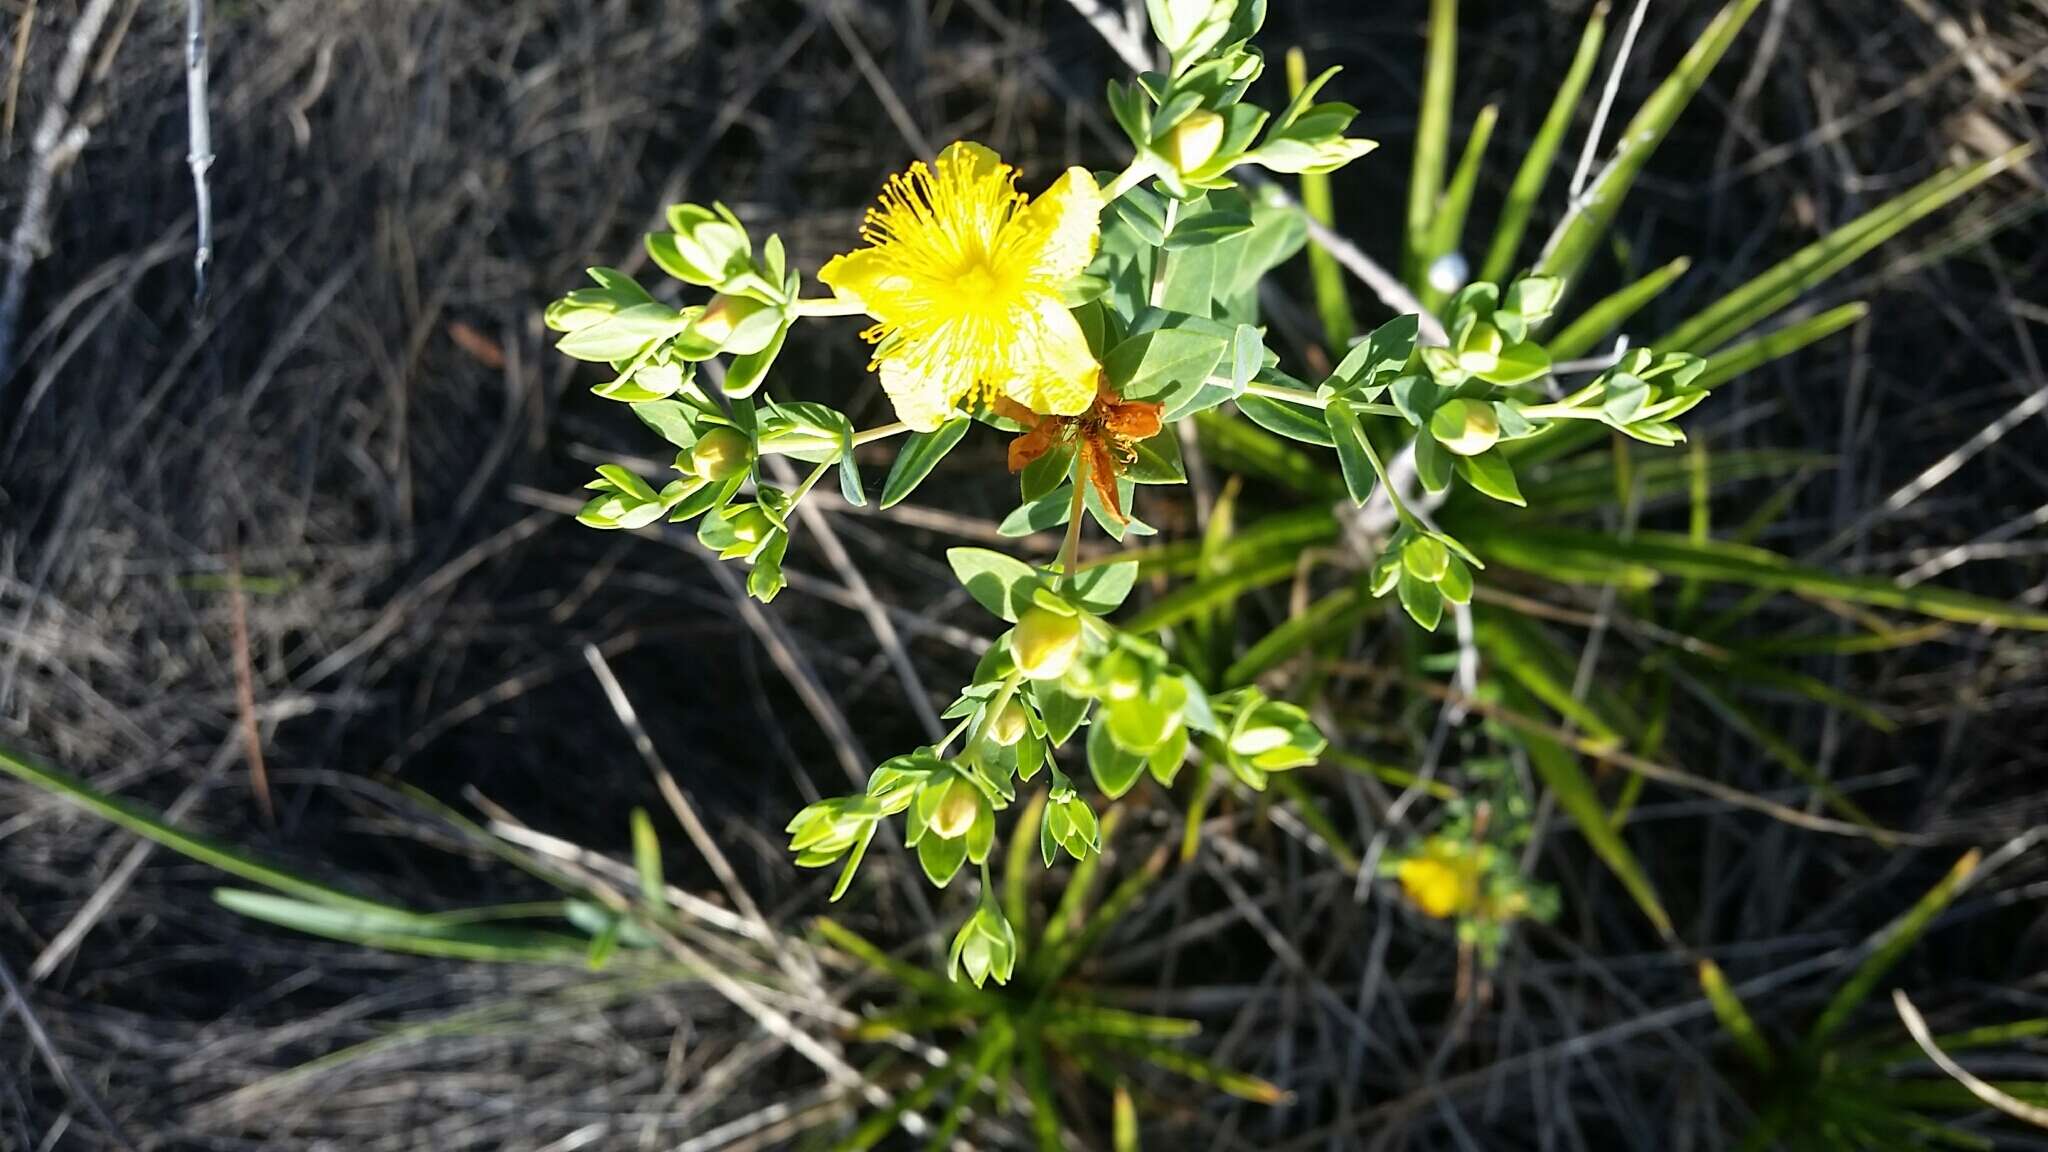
(963, 276)
(1442, 880)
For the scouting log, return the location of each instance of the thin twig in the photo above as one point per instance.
(199, 128)
(51, 149)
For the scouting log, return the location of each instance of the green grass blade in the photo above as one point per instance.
(1573, 555)
(1432, 134)
(408, 932)
(1045, 1112)
(1611, 312)
(1067, 917)
(1731, 362)
(1238, 1084)
(1062, 955)
(1238, 445)
(1559, 769)
(1534, 173)
(1331, 615)
(1191, 600)
(1583, 227)
(1123, 1122)
(1333, 299)
(647, 861)
(1398, 777)
(1735, 1019)
(1017, 865)
(1517, 649)
(1764, 296)
(1897, 939)
(909, 975)
(205, 849)
(1447, 228)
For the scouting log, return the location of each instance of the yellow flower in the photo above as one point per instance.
(1442, 881)
(963, 276)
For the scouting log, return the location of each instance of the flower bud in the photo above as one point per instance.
(986, 945)
(720, 454)
(956, 812)
(1008, 726)
(1045, 643)
(1466, 427)
(1260, 738)
(1427, 558)
(1480, 350)
(1195, 140)
(751, 524)
(1121, 676)
(724, 324)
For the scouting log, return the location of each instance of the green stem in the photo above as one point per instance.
(810, 482)
(1001, 700)
(1387, 485)
(830, 306)
(1126, 180)
(1310, 400)
(1565, 410)
(869, 436)
(1070, 548)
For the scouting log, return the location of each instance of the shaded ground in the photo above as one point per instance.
(366, 428)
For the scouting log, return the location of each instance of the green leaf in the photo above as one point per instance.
(624, 335)
(1290, 420)
(1580, 233)
(1114, 769)
(745, 375)
(1354, 454)
(1153, 363)
(1559, 770)
(1731, 315)
(941, 858)
(1145, 213)
(670, 419)
(1537, 163)
(1385, 351)
(1103, 588)
(1048, 511)
(1157, 461)
(1002, 584)
(1490, 473)
(1330, 616)
(1062, 710)
(1207, 228)
(919, 455)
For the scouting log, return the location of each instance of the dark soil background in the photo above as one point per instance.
(366, 429)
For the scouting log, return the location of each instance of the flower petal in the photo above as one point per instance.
(1101, 469)
(869, 277)
(1033, 444)
(923, 398)
(981, 157)
(1056, 234)
(1051, 370)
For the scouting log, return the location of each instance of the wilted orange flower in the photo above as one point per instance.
(1105, 438)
